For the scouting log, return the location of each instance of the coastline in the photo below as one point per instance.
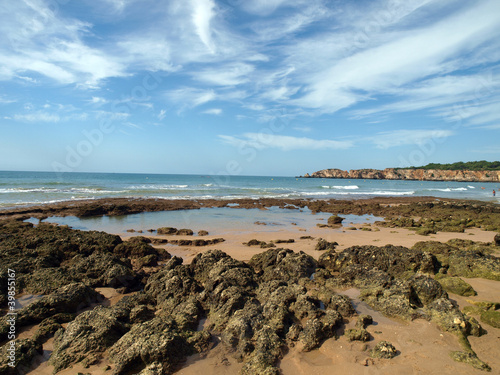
(422, 342)
(409, 174)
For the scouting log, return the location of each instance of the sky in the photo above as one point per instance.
(247, 87)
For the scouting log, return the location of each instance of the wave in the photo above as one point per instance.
(348, 187)
(156, 187)
(60, 191)
(471, 187)
(449, 189)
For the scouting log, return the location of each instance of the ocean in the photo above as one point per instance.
(30, 188)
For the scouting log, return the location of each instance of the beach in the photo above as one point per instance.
(170, 264)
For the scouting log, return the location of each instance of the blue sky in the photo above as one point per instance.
(254, 87)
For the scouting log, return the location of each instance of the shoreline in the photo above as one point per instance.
(124, 206)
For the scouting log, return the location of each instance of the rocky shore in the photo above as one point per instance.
(409, 174)
(254, 312)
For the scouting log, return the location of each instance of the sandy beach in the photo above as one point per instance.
(423, 345)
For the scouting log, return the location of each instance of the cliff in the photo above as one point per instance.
(409, 174)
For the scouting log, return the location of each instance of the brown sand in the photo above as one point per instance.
(234, 240)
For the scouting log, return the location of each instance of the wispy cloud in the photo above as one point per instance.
(403, 137)
(48, 117)
(162, 114)
(213, 111)
(283, 142)
(190, 97)
(225, 75)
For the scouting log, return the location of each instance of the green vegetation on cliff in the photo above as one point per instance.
(481, 165)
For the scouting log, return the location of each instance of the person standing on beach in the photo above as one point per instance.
(494, 193)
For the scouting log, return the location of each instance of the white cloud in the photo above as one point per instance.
(304, 129)
(403, 137)
(261, 7)
(44, 116)
(37, 39)
(213, 111)
(6, 100)
(283, 142)
(225, 75)
(162, 115)
(203, 12)
(190, 97)
(113, 116)
(38, 117)
(98, 100)
(401, 57)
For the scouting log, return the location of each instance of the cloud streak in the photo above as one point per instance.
(262, 141)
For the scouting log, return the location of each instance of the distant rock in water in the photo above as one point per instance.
(409, 174)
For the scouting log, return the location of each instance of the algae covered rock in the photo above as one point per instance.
(457, 286)
(20, 356)
(283, 264)
(322, 245)
(384, 349)
(357, 334)
(335, 220)
(87, 337)
(68, 299)
(395, 260)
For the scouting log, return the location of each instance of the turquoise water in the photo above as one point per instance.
(28, 188)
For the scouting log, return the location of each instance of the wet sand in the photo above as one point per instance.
(379, 236)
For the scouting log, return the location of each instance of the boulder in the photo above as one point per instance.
(68, 299)
(24, 352)
(283, 264)
(384, 349)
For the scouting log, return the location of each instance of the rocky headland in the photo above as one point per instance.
(409, 174)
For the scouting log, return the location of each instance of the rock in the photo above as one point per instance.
(87, 337)
(103, 269)
(202, 233)
(357, 334)
(47, 280)
(134, 249)
(496, 240)
(320, 328)
(268, 349)
(457, 286)
(24, 352)
(335, 220)
(325, 245)
(283, 264)
(491, 318)
(49, 326)
(240, 330)
(364, 321)
(148, 261)
(384, 349)
(156, 344)
(166, 230)
(173, 284)
(471, 359)
(425, 290)
(139, 239)
(93, 332)
(395, 260)
(184, 232)
(342, 304)
(68, 299)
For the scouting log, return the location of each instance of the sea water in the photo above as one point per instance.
(29, 188)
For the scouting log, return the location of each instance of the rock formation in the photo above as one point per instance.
(409, 174)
